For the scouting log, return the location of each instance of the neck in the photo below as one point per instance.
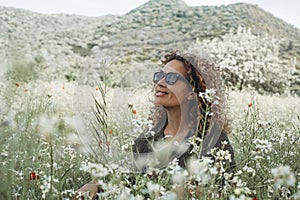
(177, 124)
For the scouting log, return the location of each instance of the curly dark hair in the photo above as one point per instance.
(202, 75)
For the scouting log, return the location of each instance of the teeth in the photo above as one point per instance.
(160, 93)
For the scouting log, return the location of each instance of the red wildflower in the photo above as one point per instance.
(110, 131)
(254, 198)
(17, 84)
(249, 105)
(97, 88)
(33, 176)
(134, 111)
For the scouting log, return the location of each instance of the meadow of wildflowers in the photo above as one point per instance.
(59, 134)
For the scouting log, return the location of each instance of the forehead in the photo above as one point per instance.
(175, 66)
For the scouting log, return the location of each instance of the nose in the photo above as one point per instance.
(162, 82)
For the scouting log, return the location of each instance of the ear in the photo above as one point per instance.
(191, 96)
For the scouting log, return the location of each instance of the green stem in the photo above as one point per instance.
(51, 167)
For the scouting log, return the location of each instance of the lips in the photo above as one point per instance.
(160, 93)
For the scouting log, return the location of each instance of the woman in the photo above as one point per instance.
(189, 104)
(188, 120)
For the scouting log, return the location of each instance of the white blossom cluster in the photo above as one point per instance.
(250, 61)
(283, 177)
(97, 170)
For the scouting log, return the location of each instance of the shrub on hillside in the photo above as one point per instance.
(249, 61)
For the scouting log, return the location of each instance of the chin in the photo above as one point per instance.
(157, 103)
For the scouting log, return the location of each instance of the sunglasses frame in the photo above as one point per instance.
(166, 75)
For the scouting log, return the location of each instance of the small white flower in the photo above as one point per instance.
(179, 177)
(200, 169)
(209, 95)
(96, 170)
(223, 155)
(154, 188)
(249, 170)
(283, 176)
(262, 146)
(125, 194)
(169, 196)
(213, 170)
(46, 127)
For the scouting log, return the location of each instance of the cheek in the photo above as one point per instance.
(179, 93)
(180, 90)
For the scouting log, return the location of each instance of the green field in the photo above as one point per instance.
(47, 152)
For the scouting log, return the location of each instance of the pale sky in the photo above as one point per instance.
(288, 10)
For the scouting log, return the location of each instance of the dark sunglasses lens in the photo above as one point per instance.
(171, 78)
(158, 76)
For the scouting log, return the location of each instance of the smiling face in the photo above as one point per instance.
(171, 95)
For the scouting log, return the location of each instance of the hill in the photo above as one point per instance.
(61, 44)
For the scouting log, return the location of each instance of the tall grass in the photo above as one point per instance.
(42, 157)
(37, 161)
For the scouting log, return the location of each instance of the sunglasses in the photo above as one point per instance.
(171, 77)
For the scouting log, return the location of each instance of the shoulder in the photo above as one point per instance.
(224, 143)
(144, 142)
(217, 140)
